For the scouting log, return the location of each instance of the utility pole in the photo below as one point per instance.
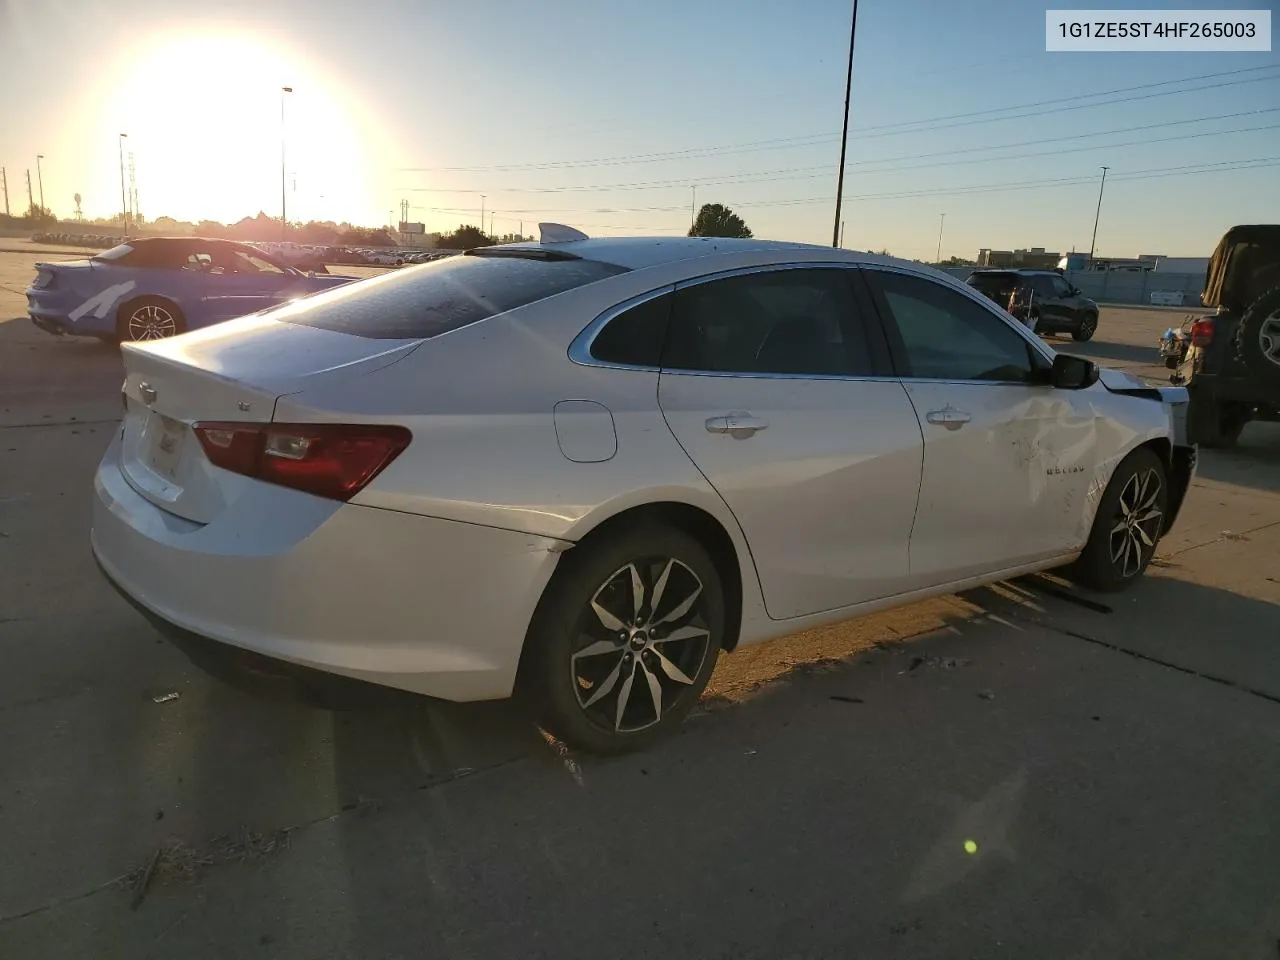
(4, 179)
(844, 136)
(40, 179)
(124, 204)
(30, 200)
(1102, 186)
(842, 234)
(284, 215)
(693, 207)
(133, 192)
(482, 213)
(941, 224)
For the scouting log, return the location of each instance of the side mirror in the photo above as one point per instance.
(1073, 373)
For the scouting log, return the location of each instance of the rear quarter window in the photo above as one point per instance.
(434, 298)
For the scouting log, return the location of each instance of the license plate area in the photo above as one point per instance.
(162, 440)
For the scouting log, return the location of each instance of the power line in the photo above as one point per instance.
(769, 176)
(809, 140)
(1010, 185)
(1223, 166)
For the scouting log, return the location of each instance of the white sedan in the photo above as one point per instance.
(579, 469)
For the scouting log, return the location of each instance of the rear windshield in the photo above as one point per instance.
(428, 300)
(118, 252)
(994, 284)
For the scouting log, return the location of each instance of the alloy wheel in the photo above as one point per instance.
(641, 642)
(1088, 325)
(151, 322)
(1137, 523)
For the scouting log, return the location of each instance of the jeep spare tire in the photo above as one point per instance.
(1260, 337)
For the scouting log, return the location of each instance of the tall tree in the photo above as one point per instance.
(717, 220)
(464, 238)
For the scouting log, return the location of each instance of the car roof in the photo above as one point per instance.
(140, 242)
(637, 253)
(1020, 271)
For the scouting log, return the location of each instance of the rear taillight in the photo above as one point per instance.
(1202, 332)
(328, 460)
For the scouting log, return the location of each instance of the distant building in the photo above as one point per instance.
(1035, 258)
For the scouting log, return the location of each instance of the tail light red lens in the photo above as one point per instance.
(1202, 332)
(328, 460)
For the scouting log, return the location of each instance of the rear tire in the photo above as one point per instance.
(149, 318)
(624, 640)
(1128, 525)
(1088, 327)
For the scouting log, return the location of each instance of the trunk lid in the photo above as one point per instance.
(233, 371)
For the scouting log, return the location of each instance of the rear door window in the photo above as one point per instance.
(428, 300)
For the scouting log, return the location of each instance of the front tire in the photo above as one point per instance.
(149, 318)
(1088, 327)
(624, 641)
(1128, 525)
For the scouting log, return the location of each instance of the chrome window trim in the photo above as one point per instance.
(580, 347)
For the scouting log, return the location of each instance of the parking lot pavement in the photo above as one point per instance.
(1110, 759)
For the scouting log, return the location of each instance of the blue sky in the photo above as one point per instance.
(605, 115)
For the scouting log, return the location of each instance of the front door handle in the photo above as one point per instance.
(949, 417)
(738, 425)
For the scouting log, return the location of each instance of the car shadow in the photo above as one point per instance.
(1253, 462)
(847, 697)
(235, 779)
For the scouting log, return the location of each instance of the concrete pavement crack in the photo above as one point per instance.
(58, 423)
(1138, 655)
(1219, 539)
(357, 808)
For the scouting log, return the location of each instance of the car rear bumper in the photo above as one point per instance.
(55, 325)
(430, 606)
(1233, 389)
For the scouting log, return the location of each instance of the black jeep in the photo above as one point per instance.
(1231, 365)
(1041, 299)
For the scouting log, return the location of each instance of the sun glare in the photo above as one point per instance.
(203, 118)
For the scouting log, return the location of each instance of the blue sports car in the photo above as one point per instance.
(156, 287)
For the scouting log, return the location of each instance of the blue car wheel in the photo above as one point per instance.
(149, 318)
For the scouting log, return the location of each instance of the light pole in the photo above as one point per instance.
(40, 180)
(844, 136)
(284, 203)
(124, 203)
(693, 207)
(482, 213)
(1098, 213)
(941, 224)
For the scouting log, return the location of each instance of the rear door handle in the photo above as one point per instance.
(738, 425)
(949, 417)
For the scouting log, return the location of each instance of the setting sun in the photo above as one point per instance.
(203, 115)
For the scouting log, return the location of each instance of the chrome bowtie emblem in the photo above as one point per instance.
(243, 405)
(147, 393)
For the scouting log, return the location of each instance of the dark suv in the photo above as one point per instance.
(1042, 299)
(1231, 366)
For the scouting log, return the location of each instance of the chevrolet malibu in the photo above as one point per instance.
(579, 469)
